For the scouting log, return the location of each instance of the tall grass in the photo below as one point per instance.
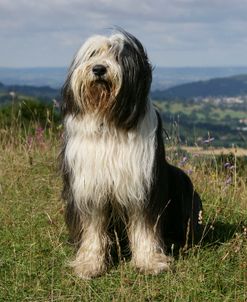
(34, 248)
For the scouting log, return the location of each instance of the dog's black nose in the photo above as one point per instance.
(99, 70)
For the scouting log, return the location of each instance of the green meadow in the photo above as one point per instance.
(34, 246)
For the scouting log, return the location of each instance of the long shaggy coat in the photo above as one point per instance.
(116, 178)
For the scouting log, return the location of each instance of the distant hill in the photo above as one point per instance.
(37, 76)
(163, 77)
(167, 77)
(41, 92)
(230, 87)
(44, 93)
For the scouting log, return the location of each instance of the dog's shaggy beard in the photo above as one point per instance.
(98, 96)
(93, 94)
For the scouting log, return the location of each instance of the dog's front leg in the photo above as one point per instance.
(146, 246)
(91, 256)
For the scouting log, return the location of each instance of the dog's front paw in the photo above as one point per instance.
(88, 268)
(154, 265)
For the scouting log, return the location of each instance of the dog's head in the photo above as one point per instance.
(109, 76)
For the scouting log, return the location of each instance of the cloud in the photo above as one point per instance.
(48, 32)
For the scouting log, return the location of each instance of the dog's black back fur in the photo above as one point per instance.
(173, 200)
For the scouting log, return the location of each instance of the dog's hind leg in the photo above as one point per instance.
(146, 247)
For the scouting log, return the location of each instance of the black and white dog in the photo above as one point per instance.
(114, 166)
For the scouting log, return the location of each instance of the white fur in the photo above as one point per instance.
(106, 163)
(91, 257)
(100, 44)
(86, 58)
(147, 250)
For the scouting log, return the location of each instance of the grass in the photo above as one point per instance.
(34, 248)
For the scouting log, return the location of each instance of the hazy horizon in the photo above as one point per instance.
(163, 77)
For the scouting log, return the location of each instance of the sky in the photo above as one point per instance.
(176, 33)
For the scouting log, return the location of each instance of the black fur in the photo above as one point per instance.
(174, 199)
(130, 105)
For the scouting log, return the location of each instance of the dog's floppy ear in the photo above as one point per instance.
(69, 106)
(136, 69)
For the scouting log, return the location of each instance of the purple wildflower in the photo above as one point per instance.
(208, 141)
(39, 135)
(227, 165)
(183, 161)
(228, 180)
(189, 172)
(29, 142)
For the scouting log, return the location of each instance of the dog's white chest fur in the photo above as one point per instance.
(108, 164)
